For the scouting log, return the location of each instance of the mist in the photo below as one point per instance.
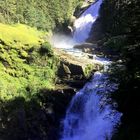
(62, 41)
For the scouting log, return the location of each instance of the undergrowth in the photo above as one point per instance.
(24, 70)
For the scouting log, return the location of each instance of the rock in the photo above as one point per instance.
(66, 69)
(72, 19)
(77, 84)
(71, 70)
(90, 56)
(75, 71)
(86, 47)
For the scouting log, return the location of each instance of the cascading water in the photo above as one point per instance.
(92, 114)
(84, 23)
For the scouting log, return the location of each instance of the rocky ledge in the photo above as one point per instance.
(75, 68)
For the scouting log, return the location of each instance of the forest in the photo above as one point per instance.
(44, 14)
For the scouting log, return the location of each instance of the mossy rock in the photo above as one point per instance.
(88, 70)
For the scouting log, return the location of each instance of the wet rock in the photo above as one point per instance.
(74, 65)
(64, 70)
(86, 47)
(75, 71)
(90, 56)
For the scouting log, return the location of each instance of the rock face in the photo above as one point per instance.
(118, 29)
(75, 70)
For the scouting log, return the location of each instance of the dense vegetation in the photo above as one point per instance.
(119, 24)
(26, 61)
(28, 109)
(43, 14)
(27, 66)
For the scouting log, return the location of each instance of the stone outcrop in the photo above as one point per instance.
(73, 70)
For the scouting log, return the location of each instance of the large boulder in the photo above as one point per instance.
(75, 68)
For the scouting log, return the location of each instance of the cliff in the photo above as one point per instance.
(117, 32)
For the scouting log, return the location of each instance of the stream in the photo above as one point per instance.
(92, 114)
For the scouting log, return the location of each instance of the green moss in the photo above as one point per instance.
(88, 70)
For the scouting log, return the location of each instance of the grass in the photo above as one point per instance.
(24, 70)
(20, 33)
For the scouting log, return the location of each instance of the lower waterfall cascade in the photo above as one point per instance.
(92, 114)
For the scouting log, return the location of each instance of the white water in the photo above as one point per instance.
(92, 114)
(84, 23)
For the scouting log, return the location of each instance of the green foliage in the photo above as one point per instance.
(44, 14)
(38, 117)
(120, 22)
(88, 70)
(46, 49)
(120, 17)
(121, 28)
(116, 43)
(19, 34)
(23, 69)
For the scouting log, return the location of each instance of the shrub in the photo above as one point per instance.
(46, 49)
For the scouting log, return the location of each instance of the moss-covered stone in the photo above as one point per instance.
(88, 70)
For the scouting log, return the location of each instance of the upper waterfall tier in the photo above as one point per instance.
(83, 24)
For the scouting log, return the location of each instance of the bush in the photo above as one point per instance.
(116, 43)
(46, 49)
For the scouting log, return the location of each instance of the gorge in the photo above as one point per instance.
(58, 87)
(91, 114)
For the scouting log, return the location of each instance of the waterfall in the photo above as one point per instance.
(92, 114)
(84, 24)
